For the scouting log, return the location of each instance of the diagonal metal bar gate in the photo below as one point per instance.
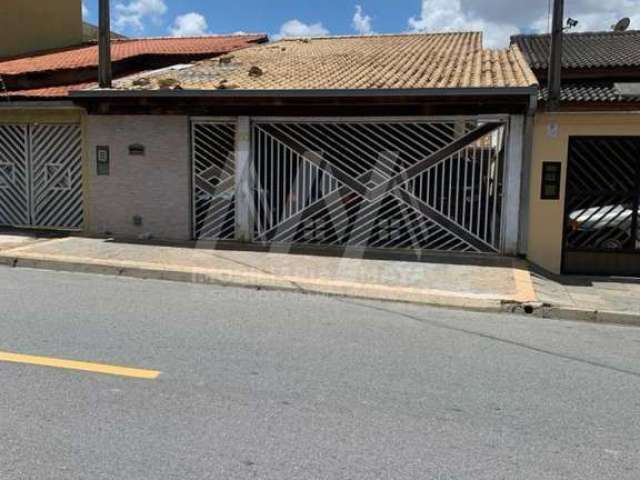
(41, 176)
(602, 218)
(428, 185)
(213, 145)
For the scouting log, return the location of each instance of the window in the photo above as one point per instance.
(102, 160)
(551, 177)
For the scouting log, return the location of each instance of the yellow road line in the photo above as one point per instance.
(81, 366)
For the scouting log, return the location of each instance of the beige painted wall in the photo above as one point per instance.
(24, 114)
(156, 186)
(33, 25)
(546, 216)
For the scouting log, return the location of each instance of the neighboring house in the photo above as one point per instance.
(410, 142)
(28, 26)
(585, 171)
(41, 130)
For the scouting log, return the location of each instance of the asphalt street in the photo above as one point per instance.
(270, 385)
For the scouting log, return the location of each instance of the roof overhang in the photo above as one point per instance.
(276, 94)
(316, 102)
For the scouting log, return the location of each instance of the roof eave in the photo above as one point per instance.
(427, 92)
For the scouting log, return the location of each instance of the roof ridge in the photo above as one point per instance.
(379, 35)
(195, 37)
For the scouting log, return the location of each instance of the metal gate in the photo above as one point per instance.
(41, 176)
(213, 145)
(602, 233)
(428, 185)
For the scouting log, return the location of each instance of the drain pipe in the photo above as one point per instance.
(104, 46)
(555, 60)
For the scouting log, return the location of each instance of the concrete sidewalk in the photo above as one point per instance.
(473, 283)
(499, 285)
(593, 299)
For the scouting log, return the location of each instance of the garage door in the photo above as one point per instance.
(601, 221)
(427, 185)
(41, 176)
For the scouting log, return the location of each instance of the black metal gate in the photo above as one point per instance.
(602, 231)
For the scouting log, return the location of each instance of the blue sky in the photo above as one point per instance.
(269, 15)
(497, 18)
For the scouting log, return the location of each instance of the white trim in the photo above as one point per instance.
(244, 181)
(196, 120)
(511, 195)
(381, 119)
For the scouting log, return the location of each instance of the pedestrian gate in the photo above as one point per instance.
(427, 185)
(602, 224)
(40, 176)
(213, 180)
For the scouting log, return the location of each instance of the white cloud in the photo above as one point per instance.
(132, 15)
(361, 22)
(189, 25)
(499, 19)
(296, 28)
(449, 16)
(85, 11)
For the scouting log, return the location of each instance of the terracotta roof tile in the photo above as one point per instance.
(59, 91)
(444, 60)
(86, 56)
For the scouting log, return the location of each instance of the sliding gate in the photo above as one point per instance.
(40, 176)
(427, 185)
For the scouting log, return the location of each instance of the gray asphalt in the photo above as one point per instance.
(266, 385)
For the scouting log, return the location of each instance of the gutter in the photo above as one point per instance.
(360, 93)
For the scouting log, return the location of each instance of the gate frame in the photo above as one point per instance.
(245, 215)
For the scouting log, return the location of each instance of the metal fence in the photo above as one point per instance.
(429, 185)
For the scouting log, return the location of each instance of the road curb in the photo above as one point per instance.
(591, 316)
(355, 291)
(262, 282)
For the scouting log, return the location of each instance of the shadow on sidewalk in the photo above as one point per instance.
(359, 253)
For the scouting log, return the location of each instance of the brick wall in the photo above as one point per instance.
(155, 187)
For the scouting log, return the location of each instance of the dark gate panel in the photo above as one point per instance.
(56, 176)
(14, 175)
(603, 191)
(41, 176)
